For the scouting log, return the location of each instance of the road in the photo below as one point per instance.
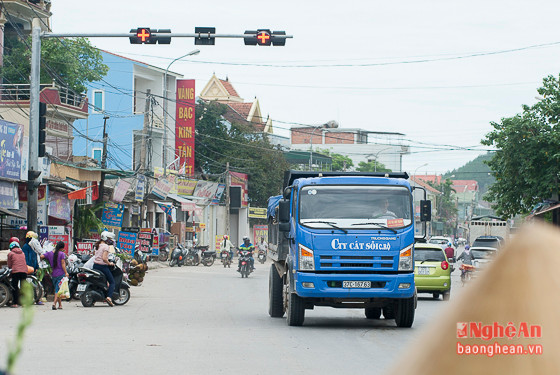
(207, 320)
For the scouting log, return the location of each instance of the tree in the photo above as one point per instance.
(72, 62)
(446, 205)
(372, 166)
(526, 164)
(219, 142)
(339, 162)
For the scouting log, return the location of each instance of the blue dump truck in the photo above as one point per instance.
(345, 240)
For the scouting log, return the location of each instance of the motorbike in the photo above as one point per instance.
(163, 252)
(207, 257)
(178, 256)
(141, 256)
(466, 273)
(73, 270)
(5, 286)
(93, 286)
(226, 258)
(192, 258)
(245, 259)
(262, 256)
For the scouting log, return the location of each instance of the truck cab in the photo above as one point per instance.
(343, 240)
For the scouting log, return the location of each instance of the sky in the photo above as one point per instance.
(438, 71)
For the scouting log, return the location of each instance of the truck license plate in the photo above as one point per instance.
(81, 287)
(356, 284)
(423, 271)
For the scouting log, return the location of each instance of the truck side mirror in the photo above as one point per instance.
(287, 192)
(425, 210)
(284, 211)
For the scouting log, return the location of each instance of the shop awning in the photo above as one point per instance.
(186, 204)
(5, 212)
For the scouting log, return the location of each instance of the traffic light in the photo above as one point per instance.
(42, 129)
(264, 37)
(145, 35)
(203, 38)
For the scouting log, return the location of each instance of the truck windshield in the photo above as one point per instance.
(355, 206)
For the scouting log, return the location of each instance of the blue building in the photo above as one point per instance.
(121, 97)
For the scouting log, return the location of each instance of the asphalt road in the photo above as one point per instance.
(207, 320)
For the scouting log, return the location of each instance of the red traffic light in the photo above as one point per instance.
(143, 34)
(263, 37)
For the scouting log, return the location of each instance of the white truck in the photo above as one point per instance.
(488, 226)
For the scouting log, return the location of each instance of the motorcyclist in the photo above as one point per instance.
(466, 256)
(263, 246)
(247, 246)
(450, 251)
(228, 246)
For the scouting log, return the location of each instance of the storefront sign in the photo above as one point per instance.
(112, 215)
(163, 187)
(140, 188)
(54, 238)
(9, 197)
(11, 150)
(120, 190)
(205, 189)
(260, 231)
(241, 179)
(145, 239)
(127, 242)
(257, 213)
(184, 125)
(43, 233)
(219, 194)
(84, 247)
(59, 206)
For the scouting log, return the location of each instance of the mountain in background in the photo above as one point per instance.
(475, 170)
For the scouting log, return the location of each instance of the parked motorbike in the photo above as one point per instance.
(163, 252)
(193, 259)
(262, 256)
(226, 258)
(73, 269)
(245, 259)
(93, 286)
(5, 286)
(178, 256)
(207, 257)
(141, 256)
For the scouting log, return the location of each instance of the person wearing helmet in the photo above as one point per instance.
(101, 262)
(31, 257)
(450, 252)
(228, 246)
(16, 261)
(466, 256)
(247, 246)
(33, 239)
(14, 239)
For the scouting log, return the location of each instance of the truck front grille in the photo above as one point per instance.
(355, 262)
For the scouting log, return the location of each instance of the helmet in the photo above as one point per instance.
(467, 247)
(14, 239)
(105, 235)
(226, 237)
(31, 234)
(449, 244)
(246, 238)
(73, 258)
(14, 244)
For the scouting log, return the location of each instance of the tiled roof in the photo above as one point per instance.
(465, 185)
(428, 178)
(424, 185)
(242, 108)
(229, 87)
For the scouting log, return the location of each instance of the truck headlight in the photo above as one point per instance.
(306, 261)
(405, 259)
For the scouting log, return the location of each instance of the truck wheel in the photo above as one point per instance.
(275, 288)
(296, 310)
(404, 314)
(373, 312)
(389, 312)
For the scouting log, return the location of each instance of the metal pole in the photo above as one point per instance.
(34, 97)
(103, 161)
(227, 198)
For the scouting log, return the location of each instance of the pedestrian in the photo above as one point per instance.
(102, 262)
(57, 260)
(16, 261)
(31, 257)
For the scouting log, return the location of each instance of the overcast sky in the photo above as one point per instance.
(449, 101)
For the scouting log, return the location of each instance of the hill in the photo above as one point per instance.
(474, 170)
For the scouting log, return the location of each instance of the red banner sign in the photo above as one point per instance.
(184, 125)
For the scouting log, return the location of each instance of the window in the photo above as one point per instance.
(96, 153)
(98, 101)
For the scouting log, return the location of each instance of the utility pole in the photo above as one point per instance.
(227, 199)
(143, 155)
(103, 161)
(34, 94)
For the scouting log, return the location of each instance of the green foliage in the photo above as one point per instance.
(26, 320)
(476, 169)
(446, 205)
(372, 166)
(86, 220)
(339, 162)
(219, 142)
(73, 63)
(526, 164)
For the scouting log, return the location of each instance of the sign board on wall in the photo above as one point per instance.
(84, 247)
(112, 215)
(257, 213)
(59, 206)
(9, 197)
(11, 150)
(127, 240)
(184, 124)
(260, 231)
(145, 240)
